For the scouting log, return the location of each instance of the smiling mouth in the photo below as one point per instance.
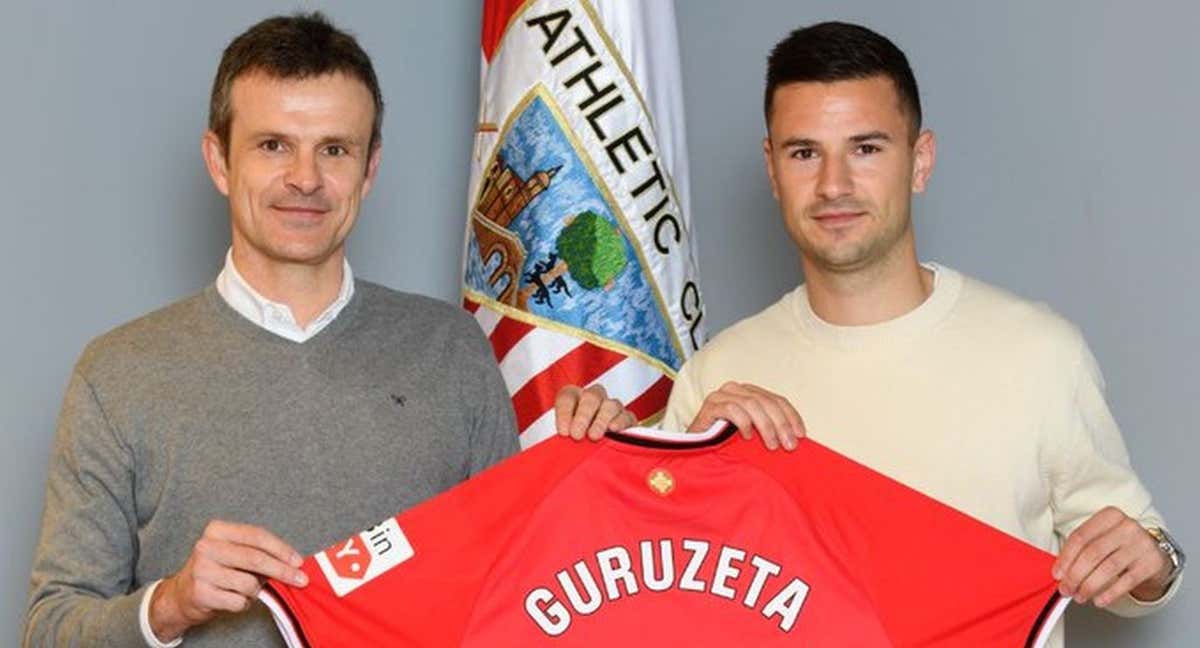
(300, 210)
(838, 219)
(300, 216)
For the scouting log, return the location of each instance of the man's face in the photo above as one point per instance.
(297, 167)
(843, 168)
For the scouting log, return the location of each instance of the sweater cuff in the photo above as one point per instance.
(1128, 606)
(144, 621)
(114, 621)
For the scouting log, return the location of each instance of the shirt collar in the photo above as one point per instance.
(274, 316)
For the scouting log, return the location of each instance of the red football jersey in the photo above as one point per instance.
(663, 539)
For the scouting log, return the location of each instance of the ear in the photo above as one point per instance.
(215, 161)
(924, 156)
(372, 169)
(767, 161)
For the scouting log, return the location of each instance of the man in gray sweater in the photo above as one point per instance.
(208, 445)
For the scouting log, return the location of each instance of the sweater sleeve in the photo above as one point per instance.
(81, 588)
(493, 433)
(1090, 467)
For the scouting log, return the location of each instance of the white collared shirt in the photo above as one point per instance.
(276, 318)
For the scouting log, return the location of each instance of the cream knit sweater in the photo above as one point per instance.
(989, 403)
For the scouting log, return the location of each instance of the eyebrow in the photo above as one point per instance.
(335, 138)
(257, 135)
(799, 142)
(346, 141)
(871, 136)
(805, 142)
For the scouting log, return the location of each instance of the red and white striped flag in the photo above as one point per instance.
(578, 260)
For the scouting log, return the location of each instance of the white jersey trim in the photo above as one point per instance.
(1051, 621)
(283, 620)
(671, 436)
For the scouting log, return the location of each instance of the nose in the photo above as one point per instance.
(834, 181)
(304, 175)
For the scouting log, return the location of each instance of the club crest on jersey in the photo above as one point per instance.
(660, 481)
(361, 558)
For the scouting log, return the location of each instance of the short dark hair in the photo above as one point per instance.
(299, 46)
(838, 51)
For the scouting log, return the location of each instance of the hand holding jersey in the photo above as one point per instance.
(749, 408)
(223, 574)
(589, 412)
(1111, 555)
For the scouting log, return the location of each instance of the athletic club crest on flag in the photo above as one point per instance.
(578, 257)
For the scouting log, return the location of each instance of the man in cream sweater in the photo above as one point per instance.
(989, 403)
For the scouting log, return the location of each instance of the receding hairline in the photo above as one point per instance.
(265, 73)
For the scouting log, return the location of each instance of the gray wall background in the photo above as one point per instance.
(1066, 173)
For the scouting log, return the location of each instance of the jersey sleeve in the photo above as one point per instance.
(412, 580)
(937, 577)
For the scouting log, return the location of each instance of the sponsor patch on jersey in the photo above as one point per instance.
(361, 558)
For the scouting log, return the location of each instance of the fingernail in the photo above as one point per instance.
(296, 560)
(301, 579)
(789, 443)
(1056, 573)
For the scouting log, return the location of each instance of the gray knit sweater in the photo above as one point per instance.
(193, 413)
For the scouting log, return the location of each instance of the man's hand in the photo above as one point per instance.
(749, 407)
(224, 573)
(1109, 556)
(589, 412)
